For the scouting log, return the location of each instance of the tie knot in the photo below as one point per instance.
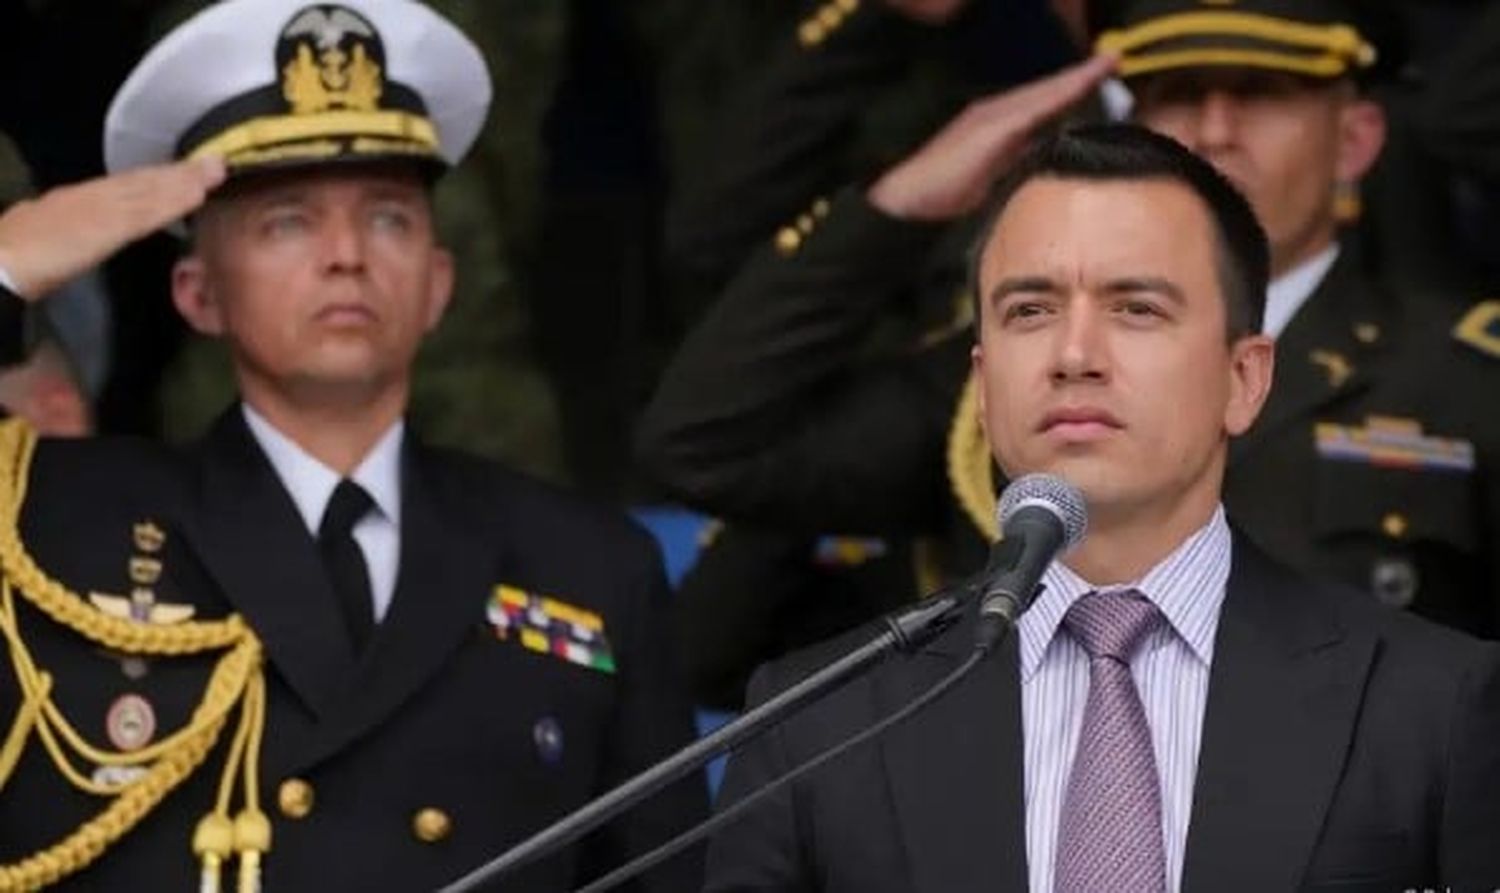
(348, 504)
(1111, 624)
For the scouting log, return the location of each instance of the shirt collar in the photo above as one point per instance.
(311, 483)
(1290, 290)
(1187, 587)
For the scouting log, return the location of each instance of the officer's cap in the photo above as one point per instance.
(280, 83)
(1312, 38)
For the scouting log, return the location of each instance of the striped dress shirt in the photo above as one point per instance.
(1171, 673)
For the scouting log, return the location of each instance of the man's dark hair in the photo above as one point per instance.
(1125, 152)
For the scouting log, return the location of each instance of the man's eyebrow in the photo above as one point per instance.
(1155, 284)
(1017, 284)
(272, 198)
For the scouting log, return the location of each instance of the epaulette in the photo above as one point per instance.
(1480, 328)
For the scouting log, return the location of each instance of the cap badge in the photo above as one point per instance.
(330, 58)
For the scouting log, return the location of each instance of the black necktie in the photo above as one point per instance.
(345, 562)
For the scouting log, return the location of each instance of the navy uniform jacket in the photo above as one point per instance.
(438, 715)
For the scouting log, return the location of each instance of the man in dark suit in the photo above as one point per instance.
(1373, 462)
(309, 649)
(1175, 711)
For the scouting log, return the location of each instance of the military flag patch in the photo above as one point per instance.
(548, 626)
(1393, 443)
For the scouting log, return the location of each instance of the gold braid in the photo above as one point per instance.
(969, 471)
(237, 681)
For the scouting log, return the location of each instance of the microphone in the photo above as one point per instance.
(1044, 516)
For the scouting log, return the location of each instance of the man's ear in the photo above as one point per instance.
(439, 287)
(1362, 131)
(195, 298)
(1252, 365)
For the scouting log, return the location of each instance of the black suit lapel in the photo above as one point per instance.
(254, 543)
(1283, 697)
(447, 567)
(1324, 356)
(955, 769)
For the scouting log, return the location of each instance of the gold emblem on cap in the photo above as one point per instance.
(431, 825)
(295, 798)
(325, 74)
(1395, 525)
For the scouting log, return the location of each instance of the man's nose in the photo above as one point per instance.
(1216, 122)
(343, 244)
(1081, 353)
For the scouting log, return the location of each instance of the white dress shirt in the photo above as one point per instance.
(1290, 291)
(1170, 669)
(7, 282)
(311, 485)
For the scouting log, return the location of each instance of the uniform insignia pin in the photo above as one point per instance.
(1394, 581)
(547, 735)
(117, 776)
(1480, 328)
(144, 571)
(1335, 365)
(148, 537)
(130, 722)
(142, 607)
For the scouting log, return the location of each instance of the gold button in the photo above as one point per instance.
(805, 224)
(788, 240)
(847, 6)
(431, 825)
(820, 208)
(1395, 525)
(295, 797)
(831, 16)
(811, 33)
(1366, 332)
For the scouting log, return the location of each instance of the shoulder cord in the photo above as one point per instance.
(237, 681)
(969, 474)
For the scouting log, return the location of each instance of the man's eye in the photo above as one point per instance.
(284, 224)
(1025, 310)
(392, 219)
(1138, 309)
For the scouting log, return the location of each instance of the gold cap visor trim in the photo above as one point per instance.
(1312, 66)
(1334, 48)
(283, 137)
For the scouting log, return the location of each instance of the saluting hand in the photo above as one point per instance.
(953, 172)
(48, 240)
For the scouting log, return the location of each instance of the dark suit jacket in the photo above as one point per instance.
(437, 713)
(1345, 747)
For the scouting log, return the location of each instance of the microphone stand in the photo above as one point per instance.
(905, 631)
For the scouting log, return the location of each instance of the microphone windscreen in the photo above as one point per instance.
(1049, 492)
